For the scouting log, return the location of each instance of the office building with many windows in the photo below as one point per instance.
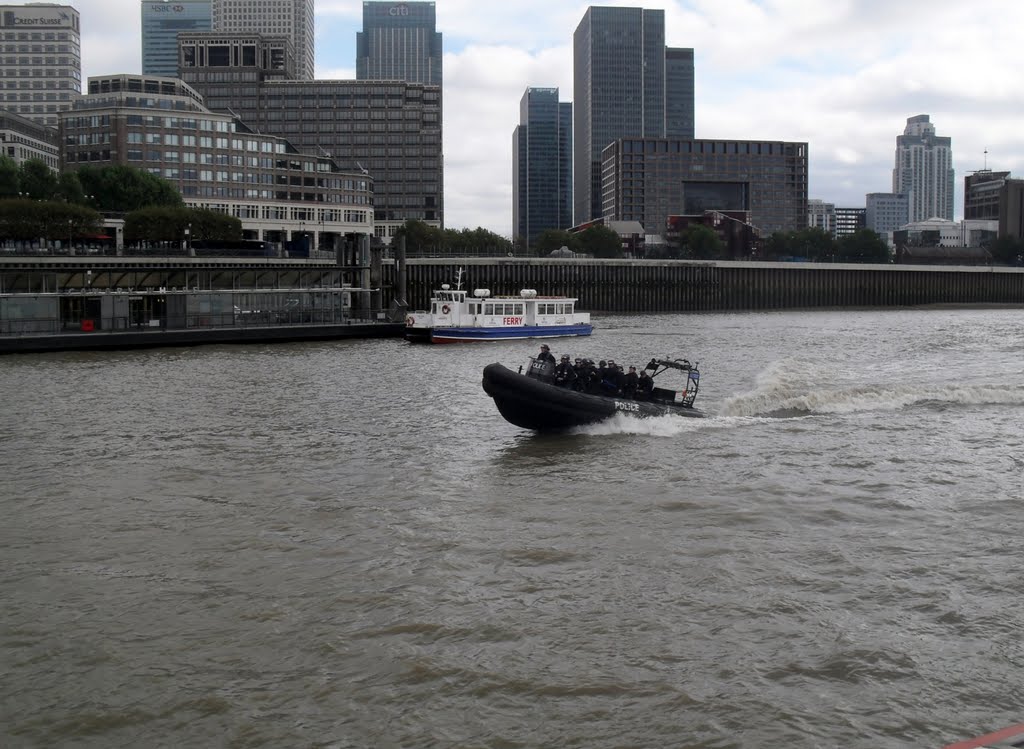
(886, 212)
(290, 18)
(626, 85)
(23, 140)
(215, 161)
(650, 179)
(391, 130)
(541, 165)
(850, 220)
(981, 193)
(40, 60)
(162, 21)
(924, 170)
(399, 42)
(821, 215)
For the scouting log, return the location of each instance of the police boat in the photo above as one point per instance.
(537, 399)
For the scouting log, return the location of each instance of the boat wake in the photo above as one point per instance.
(654, 426)
(784, 391)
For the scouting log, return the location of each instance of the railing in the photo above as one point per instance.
(205, 321)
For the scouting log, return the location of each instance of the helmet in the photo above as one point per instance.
(544, 347)
(565, 357)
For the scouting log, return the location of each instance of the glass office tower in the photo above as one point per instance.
(626, 85)
(161, 22)
(541, 165)
(399, 42)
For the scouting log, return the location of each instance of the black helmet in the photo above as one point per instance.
(601, 363)
(544, 347)
(565, 357)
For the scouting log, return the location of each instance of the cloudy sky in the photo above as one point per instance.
(842, 75)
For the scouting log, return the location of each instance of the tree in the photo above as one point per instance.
(126, 188)
(34, 219)
(168, 224)
(38, 181)
(600, 241)
(863, 246)
(553, 239)
(419, 237)
(10, 177)
(810, 244)
(702, 242)
(69, 189)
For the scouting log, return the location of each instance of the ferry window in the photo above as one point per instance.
(488, 309)
(518, 309)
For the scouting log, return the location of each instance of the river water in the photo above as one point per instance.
(343, 545)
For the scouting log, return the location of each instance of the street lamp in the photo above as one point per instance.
(188, 239)
(71, 250)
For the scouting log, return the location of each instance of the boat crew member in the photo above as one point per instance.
(644, 386)
(565, 375)
(545, 354)
(630, 383)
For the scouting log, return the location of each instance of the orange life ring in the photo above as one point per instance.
(445, 309)
(410, 320)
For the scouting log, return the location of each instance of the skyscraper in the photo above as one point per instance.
(399, 42)
(33, 35)
(541, 165)
(161, 22)
(626, 84)
(291, 18)
(924, 170)
(679, 74)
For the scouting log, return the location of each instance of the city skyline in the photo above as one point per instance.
(845, 80)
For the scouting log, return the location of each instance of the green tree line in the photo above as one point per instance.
(36, 203)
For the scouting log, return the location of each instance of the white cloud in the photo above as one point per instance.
(842, 76)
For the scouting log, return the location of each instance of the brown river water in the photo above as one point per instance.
(342, 544)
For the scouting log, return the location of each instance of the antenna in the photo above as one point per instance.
(986, 157)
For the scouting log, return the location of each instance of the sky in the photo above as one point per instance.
(840, 75)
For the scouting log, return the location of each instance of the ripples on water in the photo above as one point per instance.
(341, 544)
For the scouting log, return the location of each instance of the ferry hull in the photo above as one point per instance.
(532, 404)
(476, 335)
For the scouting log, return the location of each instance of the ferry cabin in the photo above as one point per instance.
(454, 308)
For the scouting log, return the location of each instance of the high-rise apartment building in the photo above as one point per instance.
(542, 165)
(399, 42)
(924, 170)
(886, 212)
(41, 61)
(161, 22)
(626, 85)
(291, 18)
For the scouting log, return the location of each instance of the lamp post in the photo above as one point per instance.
(71, 250)
(188, 240)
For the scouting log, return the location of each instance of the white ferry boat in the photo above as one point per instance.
(456, 316)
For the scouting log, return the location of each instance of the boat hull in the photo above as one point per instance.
(532, 404)
(478, 335)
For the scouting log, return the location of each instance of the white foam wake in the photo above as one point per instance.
(785, 389)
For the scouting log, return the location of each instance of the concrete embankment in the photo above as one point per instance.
(684, 286)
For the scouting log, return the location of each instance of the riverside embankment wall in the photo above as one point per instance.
(682, 286)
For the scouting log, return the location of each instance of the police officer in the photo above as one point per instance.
(545, 354)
